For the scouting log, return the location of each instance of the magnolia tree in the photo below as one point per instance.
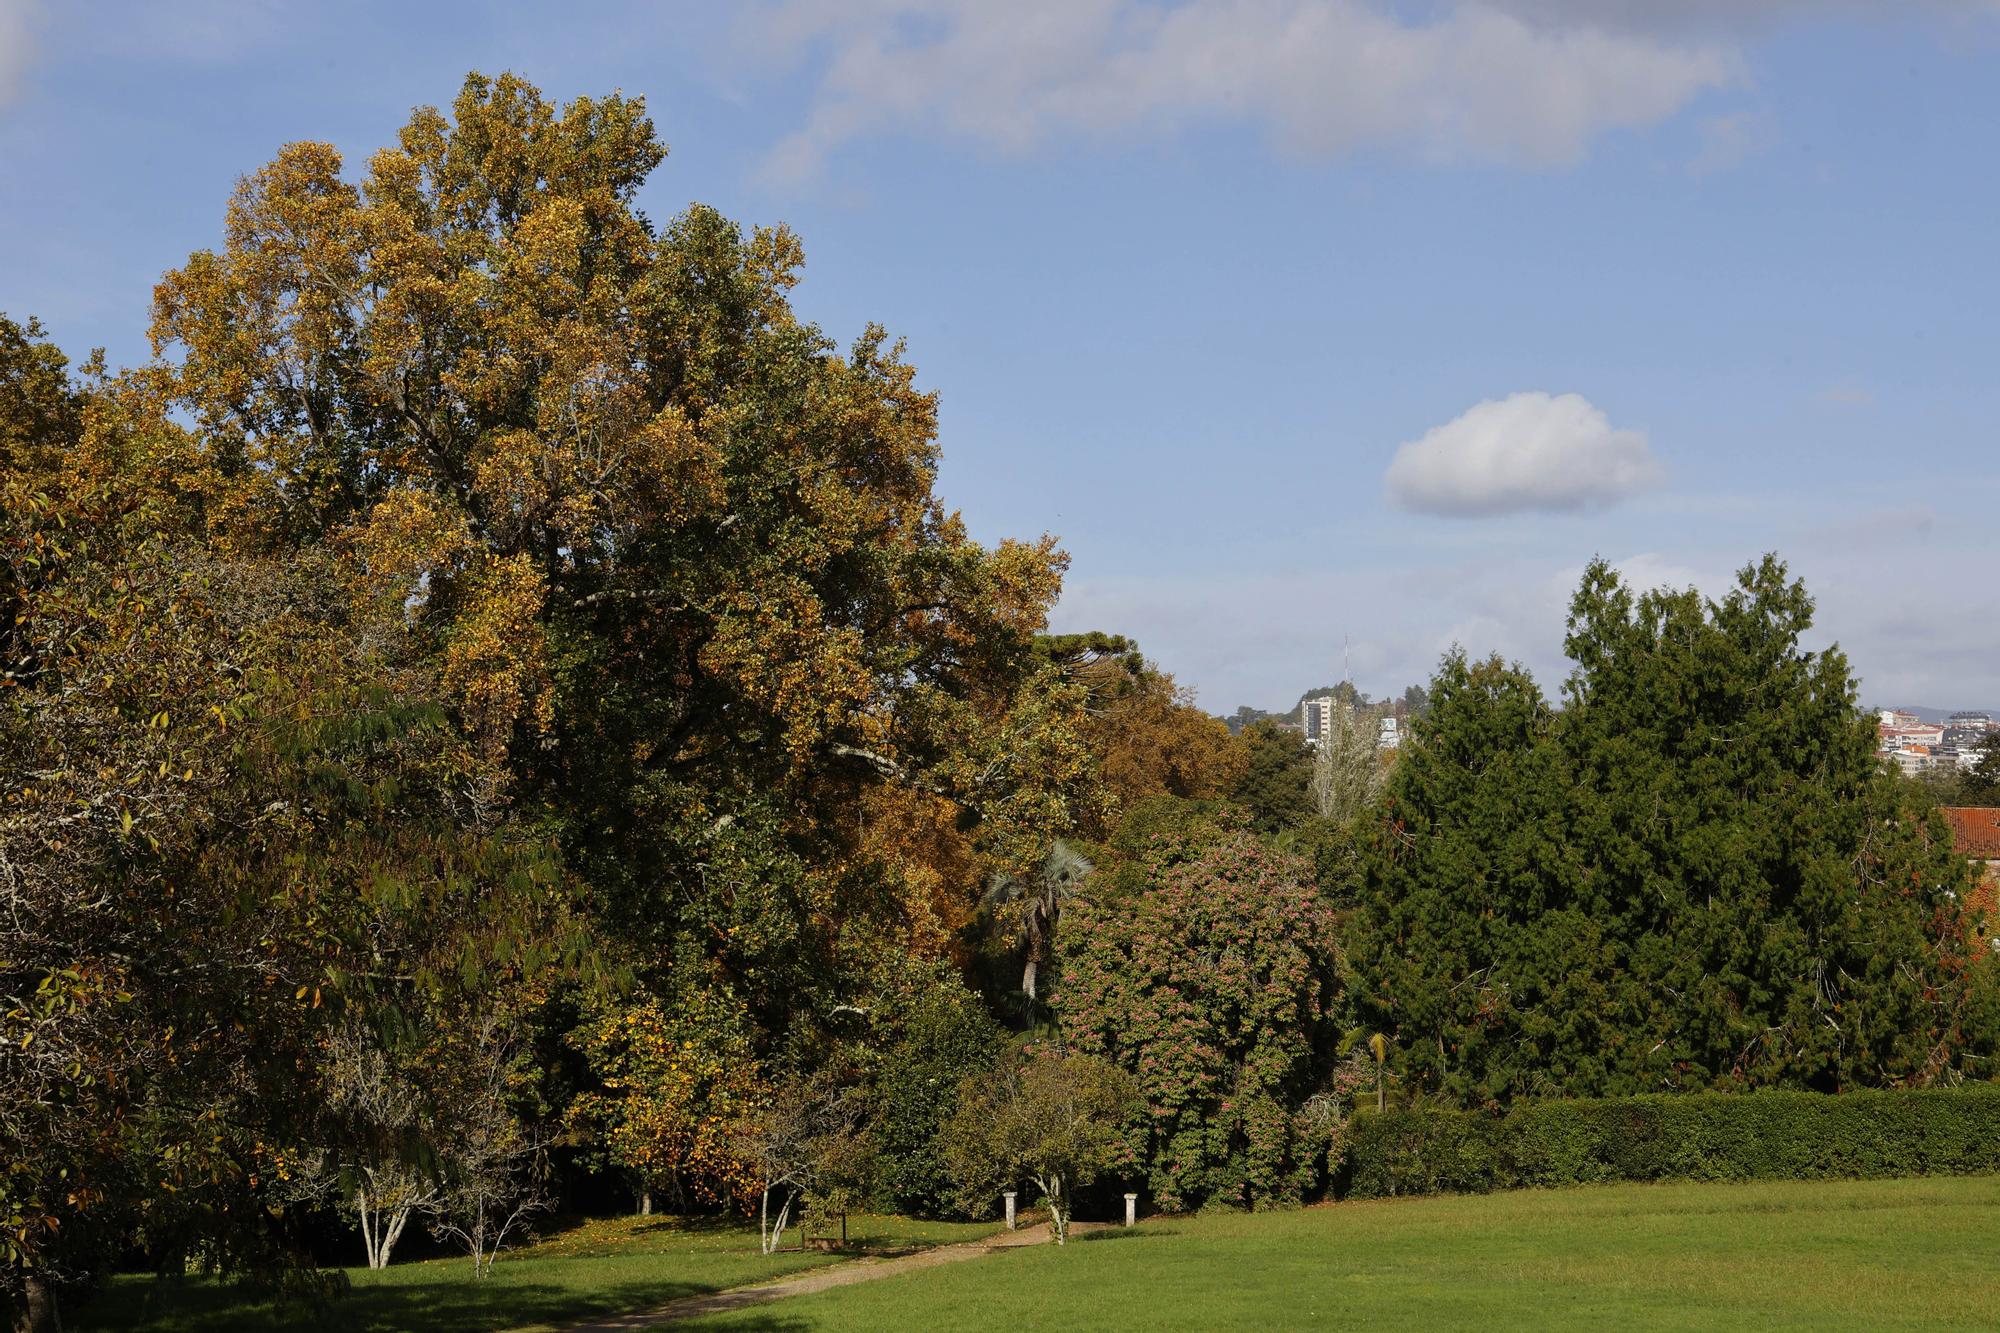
(1219, 988)
(1052, 1119)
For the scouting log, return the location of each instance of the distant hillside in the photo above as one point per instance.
(1932, 714)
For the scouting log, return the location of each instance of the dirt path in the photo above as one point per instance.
(823, 1279)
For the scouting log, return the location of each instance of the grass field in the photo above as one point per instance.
(596, 1268)
(1878, 1254)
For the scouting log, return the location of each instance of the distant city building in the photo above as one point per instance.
(1316, 717)
(1316, 722)
(1913, 759)
(1917, 735)
(1965, 732)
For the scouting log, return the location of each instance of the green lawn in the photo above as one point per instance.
(1877, 1254)
(1900, 1253)
(594, 1268)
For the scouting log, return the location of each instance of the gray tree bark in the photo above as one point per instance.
(34, 1307)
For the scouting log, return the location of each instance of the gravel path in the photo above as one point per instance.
(823, 1279)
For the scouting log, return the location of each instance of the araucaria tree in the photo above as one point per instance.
(1695, 875)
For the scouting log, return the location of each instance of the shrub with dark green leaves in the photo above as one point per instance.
(1219, 988)
(943, 1038)
(1699, 1136)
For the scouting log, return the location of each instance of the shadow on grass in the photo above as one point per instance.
(1123, 1233)
(693, 1226)
(445, 1305)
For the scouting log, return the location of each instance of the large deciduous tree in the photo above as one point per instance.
(678, 561)
(233, 808)
(476, 556)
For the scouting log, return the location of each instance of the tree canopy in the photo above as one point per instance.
(1694, 875)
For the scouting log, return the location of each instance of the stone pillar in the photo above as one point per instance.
(1131, 1210)
(1009, 1197)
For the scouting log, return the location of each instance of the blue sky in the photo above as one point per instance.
(1300, 323)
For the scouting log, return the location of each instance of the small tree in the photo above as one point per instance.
(941, 1039)
(494, 1154)
(673, 1077)
(1219, 987)
(379, 1111)
(814, 1151)
(1348, 774)
(1050, 1118)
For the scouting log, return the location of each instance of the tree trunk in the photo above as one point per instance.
(34, 1307)
(1058, 1209)
(777, 1235)
(398, 1219)
(371, 1227)
(645, 1201)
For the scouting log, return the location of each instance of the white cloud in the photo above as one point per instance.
(1530, 451)
(1320, 77)
(16, 44)
(1731, 15)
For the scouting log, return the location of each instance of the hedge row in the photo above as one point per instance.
(1696, 1136)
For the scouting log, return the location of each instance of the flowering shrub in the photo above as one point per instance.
(1219, 989)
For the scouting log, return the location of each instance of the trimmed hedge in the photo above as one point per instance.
(1691, 1136)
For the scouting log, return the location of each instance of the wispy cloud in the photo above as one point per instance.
(1733, 16)
(1526, 452)
(1727, 142)
(17, 23)
(1321, 78)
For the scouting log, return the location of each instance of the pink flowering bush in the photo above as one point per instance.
(1219, 988)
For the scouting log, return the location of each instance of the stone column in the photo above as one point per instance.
(1009, 1197)
(1131, 1210)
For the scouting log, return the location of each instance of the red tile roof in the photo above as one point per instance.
(1975, 830)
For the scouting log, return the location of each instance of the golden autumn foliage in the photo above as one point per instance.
(606, 469)
(673, 1088)
(480, 570)
(1154, 741)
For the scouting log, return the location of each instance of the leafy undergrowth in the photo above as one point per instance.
(1873, 1254)
(596, 1267)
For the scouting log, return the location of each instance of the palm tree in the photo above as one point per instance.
(1039, 897)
